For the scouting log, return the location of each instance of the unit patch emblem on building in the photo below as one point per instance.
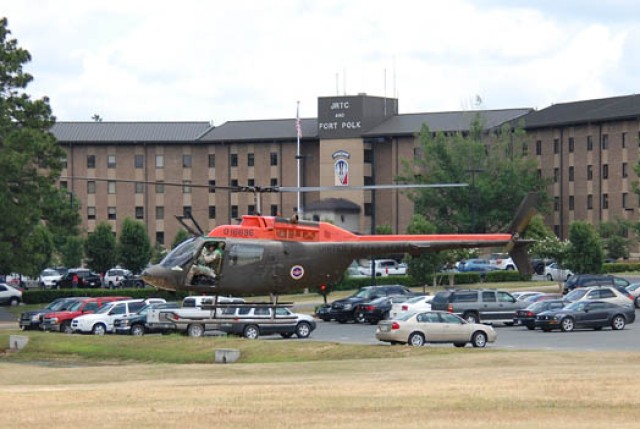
(341, 167)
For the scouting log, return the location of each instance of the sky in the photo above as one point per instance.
(218, 61)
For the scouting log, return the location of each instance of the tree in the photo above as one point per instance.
(614, 235)
(424, 266)
(134, 248)
(181, 235)
(492, 163)
(585, 254)
(72, 251)
(100, 248)
(30, 162)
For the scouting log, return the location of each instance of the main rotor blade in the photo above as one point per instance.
(369, 187)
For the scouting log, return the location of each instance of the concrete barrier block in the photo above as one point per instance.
(18, 342)
(227, 355)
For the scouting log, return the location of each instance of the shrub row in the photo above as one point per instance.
(45, 296)
(620, 267)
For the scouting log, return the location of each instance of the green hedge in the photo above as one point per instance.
(44, 296)
(621, 267)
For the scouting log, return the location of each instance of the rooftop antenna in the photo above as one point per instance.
(337, 84)
(344, 81)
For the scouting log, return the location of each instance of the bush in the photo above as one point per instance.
(620, 267)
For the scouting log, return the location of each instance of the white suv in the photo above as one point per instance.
(115, 277)
(600, 293)
(502, 261)
(101, 322)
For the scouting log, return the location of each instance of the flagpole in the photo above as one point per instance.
(299, 159)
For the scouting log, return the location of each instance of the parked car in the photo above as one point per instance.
(33, 319)
(555, 272)
(101, 322)
(600, 293)
(136, 324)
(478, 305)
(86, 278)
(346, 309)
(476, 265)
(502, 261)
(524, 294)
(10, 295)
(416, 329)
(415, 304)
(353, 271)
(634, 290)
(527, 316)
(380, 308)
(60, 320)
(114, 278)
(586, 280)
(48, 278)
(383, 268)
(542, 297)
(586, 314)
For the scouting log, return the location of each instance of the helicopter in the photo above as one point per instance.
(272, 255)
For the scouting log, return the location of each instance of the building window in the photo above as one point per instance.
(624, 140)
(91, 161)
(605, 171)
(159, 161)
(111, 213)
(556, 175)
(212, 186)
(539, 173)
(368, 209)
(91, 187)
(159, 213)
(556, 204)
(186, 186)
(139, 212)
(250, 159)
(111, 161)
(538, 147)
(274, 182)
(160, 237)
(556, 146)
(274, 158)
(212, 212)
(625, 200)
(605, 201)
(234, 212)
(368, 156)
(186, 161)
(159, 188)
(274, 210)
(589, 143)
(589, 202)
(571, 202)
(138, 161)
(251, 182)
(368, 181)
(251, 209)
(605, 141)
(625, 169)
(571, 144)
(556, 230)
(63, 162)
(589, 172)
(212, 160)
(111, 187)
(63, 184)
(571, 173)
(91, 213)
(234, 184)
(525, 149)
(139, 188)
(234, 159)
(186, 211)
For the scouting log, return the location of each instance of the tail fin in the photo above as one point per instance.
(518, 247)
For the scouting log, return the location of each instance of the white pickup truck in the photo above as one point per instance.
(384, 267)
(192, 308)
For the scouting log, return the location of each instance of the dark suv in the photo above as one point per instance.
(86, 278)
(586, 280)
(479, 305)
(348, 308)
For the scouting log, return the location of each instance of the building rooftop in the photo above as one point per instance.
(115, 132)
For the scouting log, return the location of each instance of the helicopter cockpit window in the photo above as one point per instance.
(245, 254)
(182, 254)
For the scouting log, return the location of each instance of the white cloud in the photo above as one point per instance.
(222, 60)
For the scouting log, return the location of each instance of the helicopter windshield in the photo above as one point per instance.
(182, 254)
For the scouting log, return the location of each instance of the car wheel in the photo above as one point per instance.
(303, 330)
(342, 320)
(287, 334)
(531, 327)
(195, 330)
(137, 330)
(567, 324)
(471, 317)
(618, 322)
(359, 317)
(459, 344)
(65, 328)
(416, 339)
(373, 321)
(549, 277)
(479, 339)
(14, 301)
(546, 330)
(637, 301)
(597, 328)
(99, 329)
(251, 332)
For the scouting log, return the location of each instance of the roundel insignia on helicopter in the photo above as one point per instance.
(297, 271)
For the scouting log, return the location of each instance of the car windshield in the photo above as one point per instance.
(57, 305)
(105, 308)
(414, 299)
(75, 306)
(577, 306)
(633, 287)
(364, 293)
(537, 306)
(576, 294)
(405, 316)
(379, 300)
(49, 273)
